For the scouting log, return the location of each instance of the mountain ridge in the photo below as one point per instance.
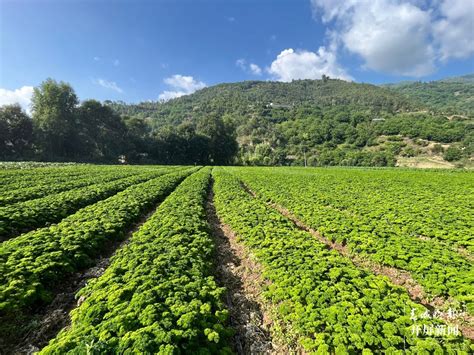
(325, 122)
(391, 87)
(453, 95)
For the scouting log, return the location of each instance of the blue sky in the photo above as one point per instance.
(146, 50)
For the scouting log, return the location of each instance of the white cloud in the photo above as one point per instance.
(389, 35)
(231, 19)
(255, 69)
(454, 31)
(241, 63)
(250, 67)
(292, 65)
(187, 83)
(404, 37)
(96, 59)
(116, 63)
(181, 85)
(112, 85)
(20, 96)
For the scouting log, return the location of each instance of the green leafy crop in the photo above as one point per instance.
(320, 299)
(33, 264)
(158, 295)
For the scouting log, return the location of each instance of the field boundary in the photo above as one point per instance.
(396, 276)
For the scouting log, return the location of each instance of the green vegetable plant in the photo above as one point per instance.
(410, 220)
(36, 263)
(319, 298)
(158, 295)
(27, 215)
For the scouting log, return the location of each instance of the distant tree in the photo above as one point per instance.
(137, 138)
(262, 154)
(364, 134)
(452, 154)
(101, 133)
(16, 132)
(197, 147)
(4, 136)
(54, 119)
(222, 143)
(167, 146)
(181, 145)
(408, 152)
(468, 144)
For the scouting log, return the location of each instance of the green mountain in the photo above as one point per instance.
(450, 96)
(242, 97)
(325, 122)
(469, 78)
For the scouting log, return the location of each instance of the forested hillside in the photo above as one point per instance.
(451, 96)
(325, 122)
(244, 97)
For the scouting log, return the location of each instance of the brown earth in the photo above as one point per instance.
(241, 275)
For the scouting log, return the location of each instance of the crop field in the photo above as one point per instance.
(249, 260)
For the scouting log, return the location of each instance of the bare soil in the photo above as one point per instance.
(424, 162)
(241, 275)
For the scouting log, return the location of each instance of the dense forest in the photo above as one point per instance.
(450, 96)
(313, 122)
(320, 122)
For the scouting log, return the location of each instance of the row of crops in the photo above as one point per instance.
(159, 294)
(34, 264)
(322, 302)
(22, 216)
(389, 217)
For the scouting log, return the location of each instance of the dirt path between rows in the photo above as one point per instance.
(241, 276)
(47, 322)
(396, 276)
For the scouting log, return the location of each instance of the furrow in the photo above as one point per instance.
(240, 274)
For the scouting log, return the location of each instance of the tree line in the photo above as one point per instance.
(63, 129)
(312, 122)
